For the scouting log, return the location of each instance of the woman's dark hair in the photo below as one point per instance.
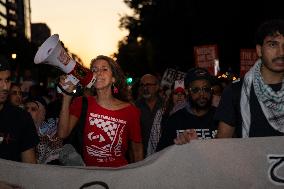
(120, 79)
(269, 28)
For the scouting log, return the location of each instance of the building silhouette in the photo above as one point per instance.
(40, 32)
(15, 18)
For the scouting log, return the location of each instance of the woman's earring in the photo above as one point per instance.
(115, 89)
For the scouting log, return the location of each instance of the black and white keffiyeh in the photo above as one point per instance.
(271, 102)
(156, 131)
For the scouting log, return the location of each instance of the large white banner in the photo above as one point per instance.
(215, 163)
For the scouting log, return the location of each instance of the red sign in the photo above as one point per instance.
(206, 57)
(247, 59)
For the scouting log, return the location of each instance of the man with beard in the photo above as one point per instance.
(259, 109)
(149, 103)
(18, 136)
(254, 105)
(197, 117)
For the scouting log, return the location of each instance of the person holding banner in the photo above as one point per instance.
(196, 118)
(111, 122)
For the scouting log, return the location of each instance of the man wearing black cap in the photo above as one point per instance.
(17, 131)
(197, 117)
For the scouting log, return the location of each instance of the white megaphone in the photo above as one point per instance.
(51, 52)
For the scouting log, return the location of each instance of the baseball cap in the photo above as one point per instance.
(4, 64)
(179, 86)
(196, 74)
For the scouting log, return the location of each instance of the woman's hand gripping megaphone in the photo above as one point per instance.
(67, 84)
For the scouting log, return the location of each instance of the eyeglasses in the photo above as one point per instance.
(196, 90)
(147, 84)
(16, 92)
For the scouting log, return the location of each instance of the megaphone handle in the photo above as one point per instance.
(61, 89)
(73, 80)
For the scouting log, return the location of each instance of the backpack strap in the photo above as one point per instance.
(81, 124)
(76, 136)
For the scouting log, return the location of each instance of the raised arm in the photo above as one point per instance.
(137, 151)
(66, 121)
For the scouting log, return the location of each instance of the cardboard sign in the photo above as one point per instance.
(206, 56)
(171, 75)
(247, 59)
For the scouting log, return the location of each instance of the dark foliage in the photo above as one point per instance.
(162, 33)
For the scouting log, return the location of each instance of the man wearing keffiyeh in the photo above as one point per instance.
(254, 106)
(261, 102)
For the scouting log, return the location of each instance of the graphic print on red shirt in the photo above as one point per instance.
(107, 132)
(104, 138)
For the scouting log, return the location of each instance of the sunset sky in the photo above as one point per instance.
(87, 27)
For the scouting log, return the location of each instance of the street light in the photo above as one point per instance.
(129, 80)
(15, 67)
(14, 56)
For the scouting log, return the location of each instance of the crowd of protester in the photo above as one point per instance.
(112, 124)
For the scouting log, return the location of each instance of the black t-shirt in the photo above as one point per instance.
(226, 112)
(204, 126)
(17, 132)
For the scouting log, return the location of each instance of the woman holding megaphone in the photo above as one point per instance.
(112, 125)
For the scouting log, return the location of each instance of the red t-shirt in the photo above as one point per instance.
(107, 132)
